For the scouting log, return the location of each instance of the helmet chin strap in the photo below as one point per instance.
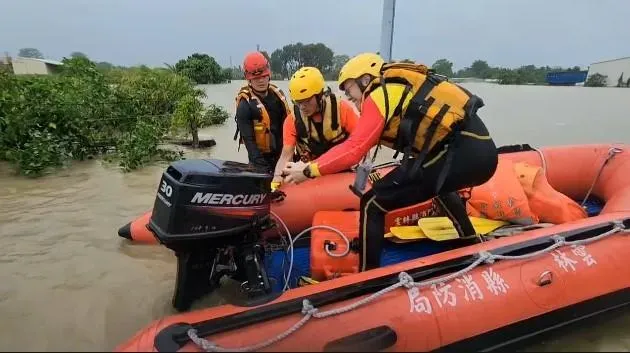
(360, 84)
(321, 104)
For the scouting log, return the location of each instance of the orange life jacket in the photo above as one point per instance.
(428, 111)
(502, 197)
(262, 122)
(550, 205)
(310, 144)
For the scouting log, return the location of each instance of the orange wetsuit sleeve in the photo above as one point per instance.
(289, 135)
(349, 117)
(363, 137)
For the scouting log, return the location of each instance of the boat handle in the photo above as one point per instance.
(545, 278)
(371, 340)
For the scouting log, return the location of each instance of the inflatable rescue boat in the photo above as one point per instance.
(541, 260)
(299, 204)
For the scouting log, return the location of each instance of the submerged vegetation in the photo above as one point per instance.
(124, 114)
(128, 114)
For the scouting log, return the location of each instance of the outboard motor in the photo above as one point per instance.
(212, 213)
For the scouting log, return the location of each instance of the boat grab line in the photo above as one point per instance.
(404, 280)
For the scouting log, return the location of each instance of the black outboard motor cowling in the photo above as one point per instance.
(202, 199)
(212, 213)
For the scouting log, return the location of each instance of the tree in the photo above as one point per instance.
(264, 53)
(227, 74)
(190, 115)
(480, 69)
(596, 80)
(443, 67)
(338, 62)
(200, 68)
(288, 59)
(104, 66)
(276, 62)
(317, 55)
(78, 54)
(30, 53)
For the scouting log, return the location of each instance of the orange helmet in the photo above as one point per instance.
(256, 65)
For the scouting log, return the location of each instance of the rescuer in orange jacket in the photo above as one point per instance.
(320, 120)
(433, 122)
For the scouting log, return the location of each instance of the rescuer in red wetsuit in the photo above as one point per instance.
(433, 122)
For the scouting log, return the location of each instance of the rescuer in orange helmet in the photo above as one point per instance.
(261, 108)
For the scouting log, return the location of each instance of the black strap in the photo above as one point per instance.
(448, 161)
(300, 128)
(455, 209)
(396, 112)
(514, 148)
(416, 111)
(317, 148)
(254, 111)
(333, 112)
(424, 151)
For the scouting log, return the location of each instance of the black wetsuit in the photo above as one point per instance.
(245, 114)
(474, 161)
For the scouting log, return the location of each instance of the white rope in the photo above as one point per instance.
(611, 153)
(292, 240)
(404, 280)
(542, 160)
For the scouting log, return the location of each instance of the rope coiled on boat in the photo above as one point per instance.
(404, 280)
(611, 153)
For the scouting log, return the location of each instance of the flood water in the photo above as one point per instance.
(68, 282)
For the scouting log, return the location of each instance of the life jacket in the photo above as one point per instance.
(430, 109)
(262, 121)
(310, 144)
(547, 203)
(502, 197)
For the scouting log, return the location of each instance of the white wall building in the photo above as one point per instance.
(614, 69)
(34, 66)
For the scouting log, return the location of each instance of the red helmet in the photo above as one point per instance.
(256, 65)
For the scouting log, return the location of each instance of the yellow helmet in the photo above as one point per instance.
(305, 83)
(365, 63)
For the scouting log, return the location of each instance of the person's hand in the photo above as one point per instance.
(294, 172)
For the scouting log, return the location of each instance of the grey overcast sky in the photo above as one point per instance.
(506, 33)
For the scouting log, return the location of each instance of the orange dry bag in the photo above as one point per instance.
(550, 205)
(502, 197)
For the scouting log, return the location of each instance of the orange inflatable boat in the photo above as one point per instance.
(517, 281)
(297, 208)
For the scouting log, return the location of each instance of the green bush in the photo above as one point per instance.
(202, 69)
(190, 116)
(215, 115)
(48, 120)
(596, 80)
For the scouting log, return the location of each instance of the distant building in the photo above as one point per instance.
(617, 71)
(566, 78)
(34, 66)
